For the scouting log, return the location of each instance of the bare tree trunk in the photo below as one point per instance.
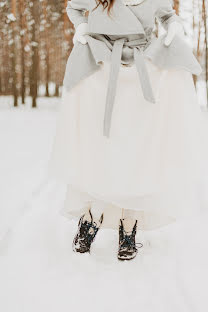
(34, 82)
(194, 26)
(47, 74)
(23, 29)
(0, 85)
(1, 64)
(65, 21)
(204, 13)
(14, 78)
(45, 3)
(56, 90)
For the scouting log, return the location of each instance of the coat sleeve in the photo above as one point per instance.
(76, 11)
(166, 14)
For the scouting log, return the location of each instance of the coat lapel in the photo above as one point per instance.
(122, 21)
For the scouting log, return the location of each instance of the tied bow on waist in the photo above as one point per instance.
(139, 60)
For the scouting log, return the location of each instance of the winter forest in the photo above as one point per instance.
(35, 43)
(36, 40)
(39, 270)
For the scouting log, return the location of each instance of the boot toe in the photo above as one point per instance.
(80, 249)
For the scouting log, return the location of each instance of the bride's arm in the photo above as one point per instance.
(166, 14)
(76, 10)
(170, 21)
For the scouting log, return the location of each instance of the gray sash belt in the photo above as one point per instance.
(113, 78)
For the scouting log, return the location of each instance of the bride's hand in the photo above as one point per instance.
(81, 31)
(175, 28)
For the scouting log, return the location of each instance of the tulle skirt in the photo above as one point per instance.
(155, 162)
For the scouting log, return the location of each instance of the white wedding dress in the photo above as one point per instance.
(155, 162)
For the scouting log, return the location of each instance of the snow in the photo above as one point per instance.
(2, 4)
(39, 271)
(11, 17)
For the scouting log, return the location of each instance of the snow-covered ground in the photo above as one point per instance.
(38, 270)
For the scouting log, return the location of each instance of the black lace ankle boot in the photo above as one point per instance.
(87, 230)
(127, 244)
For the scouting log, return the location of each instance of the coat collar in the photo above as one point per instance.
(121, 22)
(132, 2)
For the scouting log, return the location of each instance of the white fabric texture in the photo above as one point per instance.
(133, 2)
(174, 28)
(155, 160)
(97, 209)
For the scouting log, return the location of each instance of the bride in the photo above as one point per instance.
(130, 141)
